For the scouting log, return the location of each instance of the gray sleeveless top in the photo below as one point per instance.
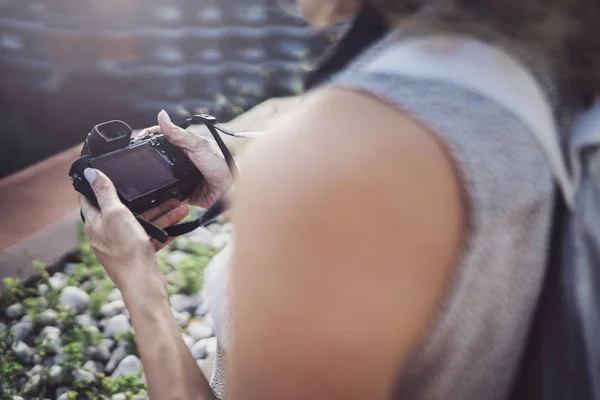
(473, 348)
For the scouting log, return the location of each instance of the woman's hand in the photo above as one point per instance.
(116, 238)
(203, 153)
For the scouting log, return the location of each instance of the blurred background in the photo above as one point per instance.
(67, 65)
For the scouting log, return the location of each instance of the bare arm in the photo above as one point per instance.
(171, 370)
(349, 223)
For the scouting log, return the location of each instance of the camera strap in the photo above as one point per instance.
(219, 206)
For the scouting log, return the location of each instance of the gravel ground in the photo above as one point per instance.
(70, 337)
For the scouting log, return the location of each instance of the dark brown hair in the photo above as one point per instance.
(567, 31)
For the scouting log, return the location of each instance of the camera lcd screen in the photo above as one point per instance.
(136, 172)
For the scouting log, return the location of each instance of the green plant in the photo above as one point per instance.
(43, 347)
(80, 272)
(191, 268)
(34, 306)
(66, 316)
(13, 292)
(83, 335)
(10, 369)
(53, 297)
(130, 344)
(97, 271)
(40, 267)
(74, 356)
(97, 299)
(122, 384)
(191, 274)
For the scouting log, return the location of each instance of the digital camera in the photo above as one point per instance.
(145, 171)
(149, 170)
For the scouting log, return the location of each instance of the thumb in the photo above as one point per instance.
(174, 134)
(103, 188)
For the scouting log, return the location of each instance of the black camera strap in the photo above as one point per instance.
(214, 211)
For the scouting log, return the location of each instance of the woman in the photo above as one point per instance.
(390, 235)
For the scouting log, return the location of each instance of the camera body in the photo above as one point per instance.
(146, 171)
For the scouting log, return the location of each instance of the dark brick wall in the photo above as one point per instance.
(66, 65)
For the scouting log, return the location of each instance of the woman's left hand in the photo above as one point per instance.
(116, 238)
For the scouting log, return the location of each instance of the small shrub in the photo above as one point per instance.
(97, 299)
(13, 292)
(74, 356)
(66, 317)
(122, 384)
(34, 306)
(191, 274)
(43, 347)
(83, 335)
(40, 267)
(131, 345)
(53, 297)
(191, 268)
(10, 369)
(72, 395)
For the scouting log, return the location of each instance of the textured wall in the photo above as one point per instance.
(69, 64)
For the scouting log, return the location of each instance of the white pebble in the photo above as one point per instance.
(37, 370)
(182, 318)
(220, 241)
(81, 374)
(50, 331)
(202, 236)
(48, 317)
(115, 358)
(211, 346)
(130, 365)
(21, 330)
(199, 349)
(16, 310)
(201, 310)
(43, 289)
(117, 324)
(108, 343)
(114, 295)
(189, 341)
(72, 296)
(85, 320)
(55, 374)
(175, 257)
(199, 330)
(70, 268)
(90, 367)
(57, 282)
(113, 308)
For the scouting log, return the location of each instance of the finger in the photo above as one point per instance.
(103, 188)
(90, 213)
(158, 246)
(172, 217)
(148, 131)
(161, 209)
(174, 134)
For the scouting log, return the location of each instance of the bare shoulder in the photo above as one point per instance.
(348, 199)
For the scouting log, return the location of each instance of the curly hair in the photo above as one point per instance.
(564, 30)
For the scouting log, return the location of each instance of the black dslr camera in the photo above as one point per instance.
(146, 171)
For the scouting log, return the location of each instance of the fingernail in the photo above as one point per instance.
(90, 175)
(163, 114)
